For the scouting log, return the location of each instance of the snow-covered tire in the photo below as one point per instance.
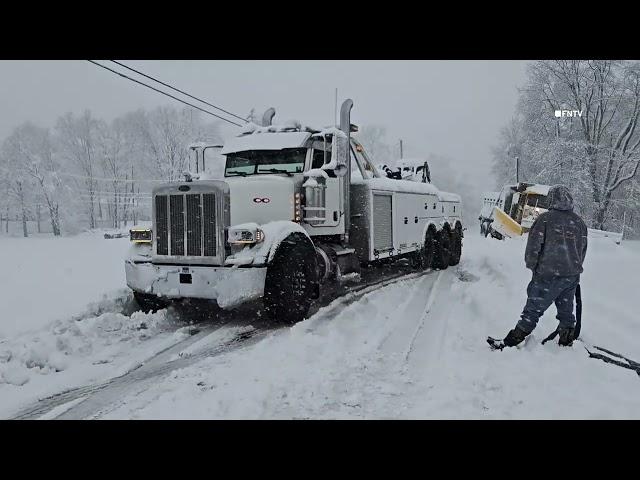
(291, 280)
(456, 247)
(429, 248)
(442, 249)
(149, 303)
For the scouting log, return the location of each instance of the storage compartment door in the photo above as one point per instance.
(382, 222)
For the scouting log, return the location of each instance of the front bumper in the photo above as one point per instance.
(229, 287)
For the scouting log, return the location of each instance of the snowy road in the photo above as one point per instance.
(226, 332)
(404, 348)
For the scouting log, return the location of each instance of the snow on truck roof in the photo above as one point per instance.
(392, 185)
(410, 162)
(266, 141)
(538, 189)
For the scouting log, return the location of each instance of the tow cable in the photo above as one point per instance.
(623, 361)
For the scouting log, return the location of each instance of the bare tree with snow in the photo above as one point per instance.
(596, 150)
(31, 152)
(77, 137)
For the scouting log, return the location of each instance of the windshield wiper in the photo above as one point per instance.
(235, 172)
(276, 170)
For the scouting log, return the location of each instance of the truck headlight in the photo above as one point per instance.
(241, 235)
(140, 235)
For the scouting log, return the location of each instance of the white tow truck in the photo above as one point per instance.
(297, 209)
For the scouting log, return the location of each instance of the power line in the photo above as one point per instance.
(178, 90)
(115, 180)
(165, 93)
(109, 195)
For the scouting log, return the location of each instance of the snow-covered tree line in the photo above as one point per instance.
(85, 172)
(596, 151)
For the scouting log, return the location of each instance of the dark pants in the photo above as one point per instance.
(541, 293)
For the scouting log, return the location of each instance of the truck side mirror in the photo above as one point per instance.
(339, 152)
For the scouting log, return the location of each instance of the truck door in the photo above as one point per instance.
(333, 193)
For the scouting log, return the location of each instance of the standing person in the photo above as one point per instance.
(555, 252)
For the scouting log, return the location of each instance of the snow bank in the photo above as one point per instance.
(45, 279)
(74, 352)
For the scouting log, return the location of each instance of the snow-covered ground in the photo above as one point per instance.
(413, 349)
(46, 278)
(64, 320)
(384, 357)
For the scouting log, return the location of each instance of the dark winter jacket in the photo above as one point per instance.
(557, 241)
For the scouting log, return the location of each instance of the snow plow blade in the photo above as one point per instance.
(504, 224)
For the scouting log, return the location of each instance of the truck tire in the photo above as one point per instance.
(149, 303)
(291, 280)
(442, 249)
(429, 248)
(456, 247)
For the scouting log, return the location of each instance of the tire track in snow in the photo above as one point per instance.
(161, 358)
(116, 393)
(98, 398)
(398, 327)
(423, 318)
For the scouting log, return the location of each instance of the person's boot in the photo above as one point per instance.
(566, 336)
(513, 338)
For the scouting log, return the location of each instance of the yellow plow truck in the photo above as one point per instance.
(511, 211)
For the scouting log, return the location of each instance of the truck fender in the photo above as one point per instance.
(427, 227)
(275, 236)
(261, 254)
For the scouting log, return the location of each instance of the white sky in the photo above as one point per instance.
(452, 108)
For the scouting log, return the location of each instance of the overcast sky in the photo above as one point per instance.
(453, 108)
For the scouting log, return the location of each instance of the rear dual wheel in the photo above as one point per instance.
(442, 254)
(456, 246)
(423, 258)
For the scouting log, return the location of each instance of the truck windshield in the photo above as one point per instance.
(539, 201)
(254, 162)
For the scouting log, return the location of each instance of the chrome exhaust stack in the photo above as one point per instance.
(345, 126)
(267, 117)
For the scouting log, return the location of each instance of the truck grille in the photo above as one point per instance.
(194, 225)
(176, 219)
(186, 222)
(162, 232)
(209, 213)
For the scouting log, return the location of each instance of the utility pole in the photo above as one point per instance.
(517, 169)
(401, 149)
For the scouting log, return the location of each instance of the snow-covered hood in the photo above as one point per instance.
(261, 198)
